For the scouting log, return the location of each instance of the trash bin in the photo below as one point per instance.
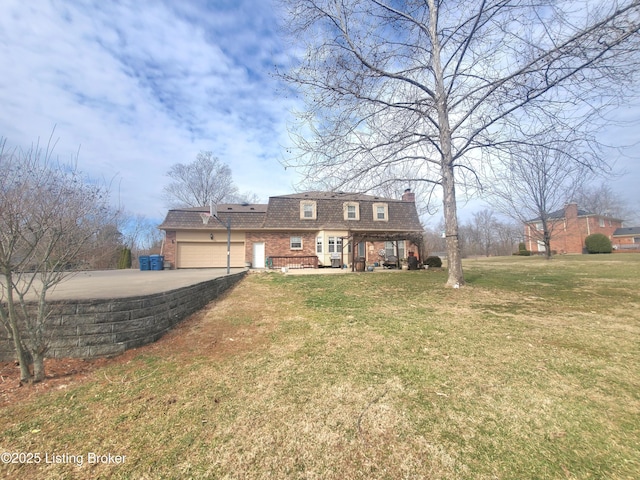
(156, 262)
(145, 263)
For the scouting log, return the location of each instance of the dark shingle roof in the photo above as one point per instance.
(242, 216)
(283, 212)
(626, 231)
(343, 196)
(560, 214)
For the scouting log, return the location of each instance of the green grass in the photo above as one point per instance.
(532, 370)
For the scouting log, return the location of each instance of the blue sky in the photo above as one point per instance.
(135, 86)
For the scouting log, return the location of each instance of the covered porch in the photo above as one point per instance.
(384, 248)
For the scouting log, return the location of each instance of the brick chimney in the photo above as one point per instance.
(408, 196)
(571, 211)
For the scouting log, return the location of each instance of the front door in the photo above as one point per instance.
(258, 255)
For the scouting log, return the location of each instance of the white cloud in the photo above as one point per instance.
(139, 86)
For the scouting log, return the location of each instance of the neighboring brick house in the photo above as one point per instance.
(626, 239)
(302, 229)
(569, 227)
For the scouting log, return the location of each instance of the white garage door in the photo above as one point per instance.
(209, 255)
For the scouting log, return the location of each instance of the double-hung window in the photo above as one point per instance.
(295, 242)
(351, 211)
(308, 210)
(380, 212)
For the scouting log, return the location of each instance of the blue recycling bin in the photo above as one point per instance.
(145, 262)
(156, 262)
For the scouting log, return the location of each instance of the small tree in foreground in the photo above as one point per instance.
(49, 214)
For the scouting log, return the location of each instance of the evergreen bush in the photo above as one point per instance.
(125, 258)
(522, 250)
(433, 262)
(598, 243)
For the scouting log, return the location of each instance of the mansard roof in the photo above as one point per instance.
(283, 213)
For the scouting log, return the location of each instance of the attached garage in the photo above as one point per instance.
(209, 255)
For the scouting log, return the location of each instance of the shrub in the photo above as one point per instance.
(433, 262)
(522, 250)
(125, 258)
(598, 243)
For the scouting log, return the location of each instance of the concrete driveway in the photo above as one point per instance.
(99, 284)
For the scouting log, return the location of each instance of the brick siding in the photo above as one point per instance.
(568, 233)
(278, 243)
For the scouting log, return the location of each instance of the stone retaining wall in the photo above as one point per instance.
(97, 328)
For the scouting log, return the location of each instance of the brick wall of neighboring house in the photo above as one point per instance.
(626, 243)
(568, 233)
(623, 240)
(278, 244)
(169, 250)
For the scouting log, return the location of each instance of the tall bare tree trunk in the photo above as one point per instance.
(454, 258)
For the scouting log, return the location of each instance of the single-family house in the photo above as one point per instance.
(626, 239)
(569, 227)
(309, 229)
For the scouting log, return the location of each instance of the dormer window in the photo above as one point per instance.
(351, 211)
(308, 210)
(380, 212)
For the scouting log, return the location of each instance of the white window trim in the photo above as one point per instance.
(337, 245)
(313, 205)
(319, 245)
(291, 242)
(375, 212)
(345, 207)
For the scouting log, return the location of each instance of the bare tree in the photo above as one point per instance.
(49, 215)
(602, 200)
(140, 234)
(534, 183)
(204, 180)
(103, 249)
(508, 235)
(422, 92)
(487, 235)
(483, 228)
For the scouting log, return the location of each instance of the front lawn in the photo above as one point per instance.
(530, 371)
